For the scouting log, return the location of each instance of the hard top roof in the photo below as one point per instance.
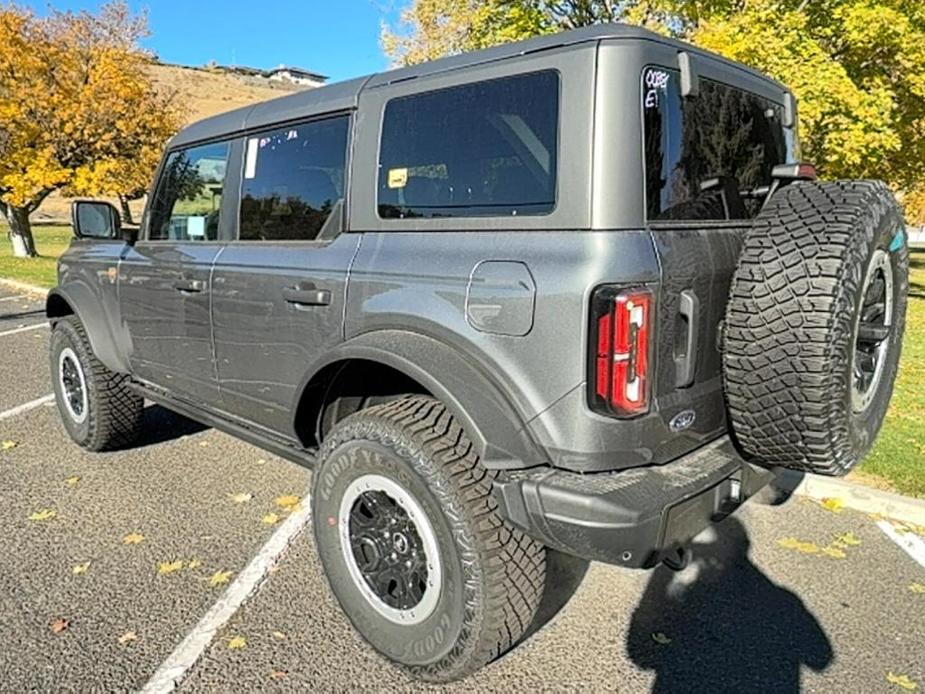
(341, 96)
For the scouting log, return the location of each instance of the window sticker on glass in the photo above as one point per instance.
(250, 160)
(656, 81)
(398, 178)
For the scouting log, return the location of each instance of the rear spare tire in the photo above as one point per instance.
(814, 325)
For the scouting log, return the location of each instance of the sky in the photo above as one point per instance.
(337, 38)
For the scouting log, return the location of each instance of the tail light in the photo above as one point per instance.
(621, 325)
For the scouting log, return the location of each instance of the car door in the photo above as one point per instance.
(278, 291)
(164, 279)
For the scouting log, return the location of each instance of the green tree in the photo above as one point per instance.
(856, 66)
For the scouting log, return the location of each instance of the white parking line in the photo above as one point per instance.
(14, 298)
(38, 402)
(24, 329)
(172, 671)
(910, 542)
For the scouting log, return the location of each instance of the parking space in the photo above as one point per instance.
(110, 560)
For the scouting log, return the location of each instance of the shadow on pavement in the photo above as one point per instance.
(160, 425)
(21, 315)
(732, 629)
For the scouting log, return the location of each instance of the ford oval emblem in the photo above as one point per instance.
(682, 420)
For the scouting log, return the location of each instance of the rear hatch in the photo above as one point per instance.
(708, 168)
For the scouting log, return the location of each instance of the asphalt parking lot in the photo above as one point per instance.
(110, 561)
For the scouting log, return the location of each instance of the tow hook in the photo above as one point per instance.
(678, 559)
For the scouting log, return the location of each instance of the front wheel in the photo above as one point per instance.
(99, 410)
(412, 543)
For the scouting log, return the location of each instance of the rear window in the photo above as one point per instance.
(487, 148)
(707, 157)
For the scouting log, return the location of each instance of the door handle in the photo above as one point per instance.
(307, 296)
(189, 286)
(685, 359)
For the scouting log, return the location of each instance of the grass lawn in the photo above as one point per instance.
(897, 461)
(50, 242)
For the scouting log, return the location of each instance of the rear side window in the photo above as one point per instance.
(707, 157)
(487, 148)
(293, 181)
(187, 204)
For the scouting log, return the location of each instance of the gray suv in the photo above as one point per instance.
(575, 293)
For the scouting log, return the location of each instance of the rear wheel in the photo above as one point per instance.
(814, 325)
(99, 410)
(412, 544)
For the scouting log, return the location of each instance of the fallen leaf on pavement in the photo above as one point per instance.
(193, 564)
(80, 569)
(59, 625)
(660, 638)
(169, 567)
(834, 552)
(219, 578)
(849, 539)
(237, 642)
(261, 461)
(7, 445)
(43, 515)
(72, 480)
(133, 539)
(279, 635)
(287, 502)
(277, 674)
(242, 498)
(798, 545)
(917, 587)
(128, 637)
(901, 681)
(270, 519)
(833, 504)
(203, 443)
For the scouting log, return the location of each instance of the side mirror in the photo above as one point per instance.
(94, 219)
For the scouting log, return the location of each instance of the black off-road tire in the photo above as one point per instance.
(113, 409)
(493, 575)
(792, 321)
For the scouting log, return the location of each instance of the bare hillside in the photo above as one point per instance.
(200, 93)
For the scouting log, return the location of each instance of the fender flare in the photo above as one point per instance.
(486, 414)
(88, 308)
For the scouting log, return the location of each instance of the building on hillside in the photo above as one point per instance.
(296, 75)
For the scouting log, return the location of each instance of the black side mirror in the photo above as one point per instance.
(94, 219)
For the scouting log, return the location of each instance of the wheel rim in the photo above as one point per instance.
(390, 549)
(872, 332)
(73, 384)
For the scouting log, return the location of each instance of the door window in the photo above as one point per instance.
(293, 185)
(708, 157)
(188, 201)
(487, 148)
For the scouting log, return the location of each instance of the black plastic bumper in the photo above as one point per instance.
(634, 517)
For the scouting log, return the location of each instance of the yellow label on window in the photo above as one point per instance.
(398, 178)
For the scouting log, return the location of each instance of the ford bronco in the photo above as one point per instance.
(576, 293)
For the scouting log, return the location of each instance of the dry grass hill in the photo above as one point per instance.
(201, 92)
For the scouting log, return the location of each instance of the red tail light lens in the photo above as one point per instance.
(622, 322)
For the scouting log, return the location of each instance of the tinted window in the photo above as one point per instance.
(708, 157)
(487, 148)
(293, 181)
(188, 201)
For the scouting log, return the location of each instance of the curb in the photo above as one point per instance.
(853, 496)
(24, 287)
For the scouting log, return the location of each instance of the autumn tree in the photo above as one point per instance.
(856, 66)
(77, 110)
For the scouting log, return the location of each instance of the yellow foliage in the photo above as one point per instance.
(76, 107)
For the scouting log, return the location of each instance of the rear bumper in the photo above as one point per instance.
(631, 518)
